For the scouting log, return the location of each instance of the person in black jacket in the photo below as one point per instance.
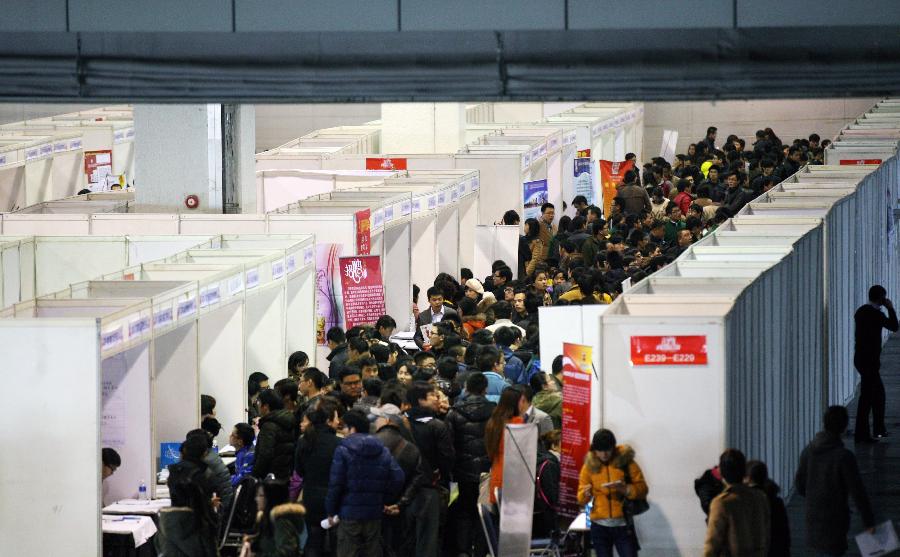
(312, 462)
(735, 196)
(708, 487)
(546, 489)
(870, 321)
(337, 358)
(277, 434)
(779, 529)
(827, 476)
(467, 420)
(392, 430)
(432, 437)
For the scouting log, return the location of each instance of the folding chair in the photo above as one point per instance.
(242, 515)
(546, 547)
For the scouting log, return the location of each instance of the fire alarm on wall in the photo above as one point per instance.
(192, 201)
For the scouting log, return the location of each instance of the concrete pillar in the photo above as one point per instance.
(239, 147)
(409, 128)
(178, 152)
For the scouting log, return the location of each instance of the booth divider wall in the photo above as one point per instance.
(38, 166)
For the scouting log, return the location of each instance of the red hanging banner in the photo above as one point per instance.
(854, 162)
(386, 163)
(362, 289)
(576, 422)
(611, 175)
(668, 351)
(363, 232)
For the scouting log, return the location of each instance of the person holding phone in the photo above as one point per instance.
(869, 321)
(609, 477)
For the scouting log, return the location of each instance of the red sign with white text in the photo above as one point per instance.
(362, 289)
(385, 164)
(363, 232)
(669, 351)
(576, 423)
(855, 162)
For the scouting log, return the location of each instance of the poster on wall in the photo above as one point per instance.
(534, 194)
(363, 231)
(669, 141)
(362, 289)
(328, 299)
(113, 415)
(385, 163)
(583, 183)
(576, 422)
(612, 173)
(98, 169)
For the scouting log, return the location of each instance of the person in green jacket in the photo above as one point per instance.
(594, 244)
(547, 398)
(279, 523)
(673, 223)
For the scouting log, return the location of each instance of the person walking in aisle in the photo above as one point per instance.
(826, 477)
(739, 520)
(869, 321)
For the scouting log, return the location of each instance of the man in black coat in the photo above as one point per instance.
(467, 420)
(870, 321)
(826, 477)
(435, 313)
(432, 437)
(337, 358)
(277, 435)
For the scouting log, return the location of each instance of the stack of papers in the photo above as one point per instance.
(881, 542)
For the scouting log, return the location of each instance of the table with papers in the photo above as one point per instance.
(134, 506)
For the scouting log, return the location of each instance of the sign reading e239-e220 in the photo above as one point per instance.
(668, 350)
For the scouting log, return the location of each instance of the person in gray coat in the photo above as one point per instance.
(827, 476)
(219, 480)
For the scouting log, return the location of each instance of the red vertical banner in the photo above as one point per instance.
(576, 422)
(363, 232)
(362, 289)
(611, 175)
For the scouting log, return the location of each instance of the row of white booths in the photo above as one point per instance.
(120, 357)
(143, 324)
(772, 293)
(43, 159)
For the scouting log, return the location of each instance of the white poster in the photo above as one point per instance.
(669, 141)
(113, 420)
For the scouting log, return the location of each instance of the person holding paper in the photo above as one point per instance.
(826, 477)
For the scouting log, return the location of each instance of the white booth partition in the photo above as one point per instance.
(715, 350)
(277, 188)
(17, 270)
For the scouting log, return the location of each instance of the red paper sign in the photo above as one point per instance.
(611, 175)
(583, 154)
(362, 289)
(669, 351)
(363, 232)
(854, 162)
(385, 164)
(97, 165)
(576, 423)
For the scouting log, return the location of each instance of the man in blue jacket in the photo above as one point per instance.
(365, 479)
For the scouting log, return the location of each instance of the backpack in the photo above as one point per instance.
(531, 368)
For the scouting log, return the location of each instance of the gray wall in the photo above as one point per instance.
(430, 15)
(789, 119)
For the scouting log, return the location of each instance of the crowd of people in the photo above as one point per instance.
(390, 451)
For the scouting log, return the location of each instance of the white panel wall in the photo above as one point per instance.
(61, 515)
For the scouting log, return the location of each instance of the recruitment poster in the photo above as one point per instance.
(534, 194)
(576, 422)
(363, 231)
(583, 183)
(611, 175)
(362, 289)
(328, 299)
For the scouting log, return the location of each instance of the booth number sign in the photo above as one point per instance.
(668, 350)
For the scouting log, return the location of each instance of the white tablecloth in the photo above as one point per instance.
(141, 528)
(133, 506)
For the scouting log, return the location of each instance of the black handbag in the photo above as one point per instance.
(633, 507)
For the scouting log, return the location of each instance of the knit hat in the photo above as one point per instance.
(603, 440)
(475, 285)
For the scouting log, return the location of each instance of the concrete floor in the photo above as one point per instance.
(879, 464)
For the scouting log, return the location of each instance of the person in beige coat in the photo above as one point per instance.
(547, 230)
(739, 519)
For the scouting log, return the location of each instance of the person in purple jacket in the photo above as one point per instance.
(365, 479)
(242, 440)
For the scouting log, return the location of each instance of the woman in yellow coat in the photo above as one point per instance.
(609, 477)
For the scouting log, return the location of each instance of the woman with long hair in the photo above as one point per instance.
(508, 411)
(530, 247)
(312, 462)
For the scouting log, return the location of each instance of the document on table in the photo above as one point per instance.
(882, 542)
(134, 506)
(141, 528)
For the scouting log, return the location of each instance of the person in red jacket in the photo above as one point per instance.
(684, 198)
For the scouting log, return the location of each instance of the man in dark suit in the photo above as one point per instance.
(435, 313)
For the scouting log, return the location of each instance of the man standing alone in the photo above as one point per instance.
(870, 320)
